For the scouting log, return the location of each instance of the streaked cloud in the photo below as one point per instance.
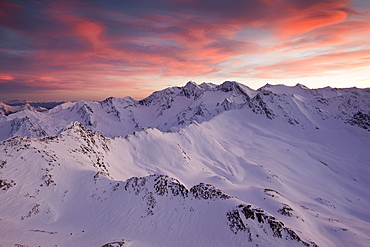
(82, 46)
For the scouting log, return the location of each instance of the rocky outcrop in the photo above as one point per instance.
(208, 192)
(240, 219)
(360, 119)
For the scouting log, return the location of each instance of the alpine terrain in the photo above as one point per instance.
(198, 165)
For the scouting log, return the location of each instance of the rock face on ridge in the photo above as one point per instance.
(26, 127)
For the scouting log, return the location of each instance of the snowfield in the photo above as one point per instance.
(199, 165)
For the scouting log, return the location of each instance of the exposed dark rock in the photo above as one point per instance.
(286, 210)
(191, 89)
(3, 163)
(236, 88)
(237, 224)
(115, 244)
(208, 192)
(258, 106)
(109, 107)
(86, 113)
(4, 184)
(360, 119)
(166, 186)
(163, 184)
(271, 192)
(34, 210)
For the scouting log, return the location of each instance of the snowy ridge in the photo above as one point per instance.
(173, 108)
(327, 103)
(8, 109)
(280, 166)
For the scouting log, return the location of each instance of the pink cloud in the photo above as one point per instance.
(313, 66)
(82, 46)
(297, 19)
(298, 25)
(5, 77)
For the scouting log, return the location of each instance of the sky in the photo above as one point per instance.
(94, 49)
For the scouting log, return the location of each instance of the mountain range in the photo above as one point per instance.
(198, 165)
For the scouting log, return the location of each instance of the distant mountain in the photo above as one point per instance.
(199, 165)
(173, 108)
(9, 109)
(18, 105)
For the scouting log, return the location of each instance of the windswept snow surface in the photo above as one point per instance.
(207, 165)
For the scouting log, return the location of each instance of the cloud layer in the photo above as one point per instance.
(77, 49)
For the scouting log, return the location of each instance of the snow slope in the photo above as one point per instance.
(281, 166)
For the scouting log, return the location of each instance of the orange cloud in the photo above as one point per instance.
(335, 61)
(6, 77)
(91, 31)
(298, 20)
(298, 25)
(83, 46)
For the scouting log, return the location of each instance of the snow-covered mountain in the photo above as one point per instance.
(173, 108)
(199, 165)
(9, 109)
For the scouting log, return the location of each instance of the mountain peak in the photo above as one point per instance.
(191, 84)
(26, 127)
(75, 125)
(228, 86)
(236, 89)
(207, 86)
(191, 89)
(301, 86)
